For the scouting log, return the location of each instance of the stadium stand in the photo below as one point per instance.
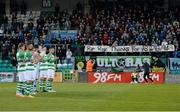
(108, 23)
(6, 66)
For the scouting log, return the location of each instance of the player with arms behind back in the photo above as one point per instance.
(29, 77)
(36, 58)
(21, 70)
(43, 70)
(51, 70)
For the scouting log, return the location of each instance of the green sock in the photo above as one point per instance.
(47, 85)
(31, 87)
(44, 85)
(51, 83)
(23, 88)
(19, 88)
(41, 85)
(28, 87)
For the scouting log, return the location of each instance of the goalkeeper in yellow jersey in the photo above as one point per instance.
(134, 76)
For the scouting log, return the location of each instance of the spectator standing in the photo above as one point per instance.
(36, 41)
(68, 56)
(164, 42)
(89, 65)
(21, 36)
(5, 51)
(13, 56)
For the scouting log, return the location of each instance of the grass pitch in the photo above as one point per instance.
(99, 97)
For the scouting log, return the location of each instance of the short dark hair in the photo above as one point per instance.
(20, 45)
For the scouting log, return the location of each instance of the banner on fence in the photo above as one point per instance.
(158, 64)
(138, 48)
(126, 61)
(122, 77)
(174, 65)
(120, 63)
(7, 77)
(113, 63)
(64, 34)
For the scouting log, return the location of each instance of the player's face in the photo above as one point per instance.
(31, 46)
(33, 50)
(40, 47)
(52, 50)
(23, 47)
(44, 49)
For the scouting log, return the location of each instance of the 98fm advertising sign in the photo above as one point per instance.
(122, 77)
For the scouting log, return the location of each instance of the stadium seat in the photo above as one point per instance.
(6, 61)
(6, 66)
(8, 70)
(1, 61)
(70, 66)
(3, 65)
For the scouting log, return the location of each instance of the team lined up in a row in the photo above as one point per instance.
(34, 64)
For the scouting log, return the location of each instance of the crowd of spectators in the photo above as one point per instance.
(109, 23)
(134, 25)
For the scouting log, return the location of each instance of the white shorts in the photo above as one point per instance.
(37, 71)
(43, 73)
(29, 75)
(21, 76)
(51, 73)
(34, 75)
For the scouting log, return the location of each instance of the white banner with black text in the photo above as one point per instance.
(138, 48)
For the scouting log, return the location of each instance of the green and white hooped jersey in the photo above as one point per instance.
(29, 65)
(44, 63)
(20, 57)
(52, 61)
